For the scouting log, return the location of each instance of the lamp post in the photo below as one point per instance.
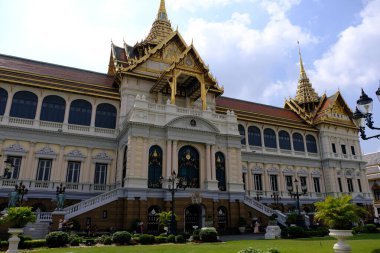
(21, 190)
(60, 197)
(258, 197)
(296, 195)
(174, 183)
(276, 198)
(363, 114)
(8, 168)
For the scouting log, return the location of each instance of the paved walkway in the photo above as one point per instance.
(226, 238)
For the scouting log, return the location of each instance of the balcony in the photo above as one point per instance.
(58, 127)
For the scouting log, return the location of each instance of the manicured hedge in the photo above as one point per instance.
(208, 235)
(57, 239)
(121, 237)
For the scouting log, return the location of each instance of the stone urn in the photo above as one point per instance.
(14, 239)
(341, 246)
(273, 232)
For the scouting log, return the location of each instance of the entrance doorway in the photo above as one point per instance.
(193, 217)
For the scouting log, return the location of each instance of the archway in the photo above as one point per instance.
(188, 165)
(193, 217)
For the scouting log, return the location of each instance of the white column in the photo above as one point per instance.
(93, 115)
(213, 167)
(9, 104)
(67, 111)
(208, 162)
(174, 157)
(39, 106)
(168, 158)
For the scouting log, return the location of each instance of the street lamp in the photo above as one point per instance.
(8, 168)
(296, 195)
(174, 183)
(363, 114)
(60, 197)
(276, 198)
(21, 191)
(258, 197)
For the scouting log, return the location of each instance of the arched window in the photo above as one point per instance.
(242, 134)
(270, 138)
(298, 144)
(220, 164)
(105, 116)
(80, 112)
(254, 136)
(155, 167)
(24, 105)
(3, 100)
(311, 144)
(222, 218)
(188, 165)
(53, 109)
(284, 139)
(153, 224)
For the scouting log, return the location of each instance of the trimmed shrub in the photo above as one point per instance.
(161, 239)
(146, 239)
(208, 235)
(185, 235)
(322, 231)
(104, 239)
(180, 239)
(370, 228)
(35, 244)
(252, 250)
(121, 237)
(4, 245)
(57, 239)
(296, 232)
(164, 235)
(171, 239)
(23, 239)
(375, 251)
(74, 239)
(196, 235)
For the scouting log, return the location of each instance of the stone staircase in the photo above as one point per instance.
(251, 202)
(40, 228)
(92, 203)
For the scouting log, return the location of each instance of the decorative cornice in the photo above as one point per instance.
(46, 151)
(15, 148)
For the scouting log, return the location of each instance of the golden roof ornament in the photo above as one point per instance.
(305, 91)
(161, 27)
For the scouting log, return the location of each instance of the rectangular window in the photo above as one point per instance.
(350, 185)
(258, 182)
(360, 185)
(317, 187)
(343, 149)
(43, 170)
(243, 176)
(273, 183)
(353, 150)
(73, 172)
(303, 183)
(340, 184)
(289, 182)
(333, 148)
(100, 173)
(14, 172)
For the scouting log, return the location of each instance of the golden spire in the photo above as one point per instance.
(162, 15)
(306, 95)
(161, 27)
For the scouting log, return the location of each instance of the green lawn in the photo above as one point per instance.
(360, 244)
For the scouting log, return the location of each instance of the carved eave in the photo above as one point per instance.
(335, 111)
(301, 112)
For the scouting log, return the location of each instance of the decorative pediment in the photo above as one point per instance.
(103, 156)
(257, 170)
(15, 148)
(193, 123)
(302, 172)
(348, 173)
(46, 151)
(273, 170)
(316, 173)
(288, 171)
(75, 154)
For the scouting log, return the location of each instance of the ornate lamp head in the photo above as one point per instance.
(378, 93)
(358, 118)
(365, 103)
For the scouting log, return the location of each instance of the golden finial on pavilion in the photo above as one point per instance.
(162, 15)
(302, 70)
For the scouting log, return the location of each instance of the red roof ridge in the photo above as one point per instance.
(255, 103)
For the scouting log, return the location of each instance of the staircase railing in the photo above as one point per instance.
(281, 217)
(258, 206)
(90, 204)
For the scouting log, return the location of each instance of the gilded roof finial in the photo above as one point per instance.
(302, 70)
(162, 15)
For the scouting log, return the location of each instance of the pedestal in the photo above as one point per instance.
(341, 246)
(273, 232)
(14, 239)
(57, 217)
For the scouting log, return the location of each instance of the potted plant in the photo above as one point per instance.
(338, 214)
(242, 224)
(17, 218)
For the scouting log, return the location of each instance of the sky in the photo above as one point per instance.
(249, 45)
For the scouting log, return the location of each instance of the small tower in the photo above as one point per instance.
(306, 97)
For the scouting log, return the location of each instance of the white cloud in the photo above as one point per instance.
(194, 5)
(353, 61)
(250, 57)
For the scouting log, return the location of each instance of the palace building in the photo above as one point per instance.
(109, 138)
